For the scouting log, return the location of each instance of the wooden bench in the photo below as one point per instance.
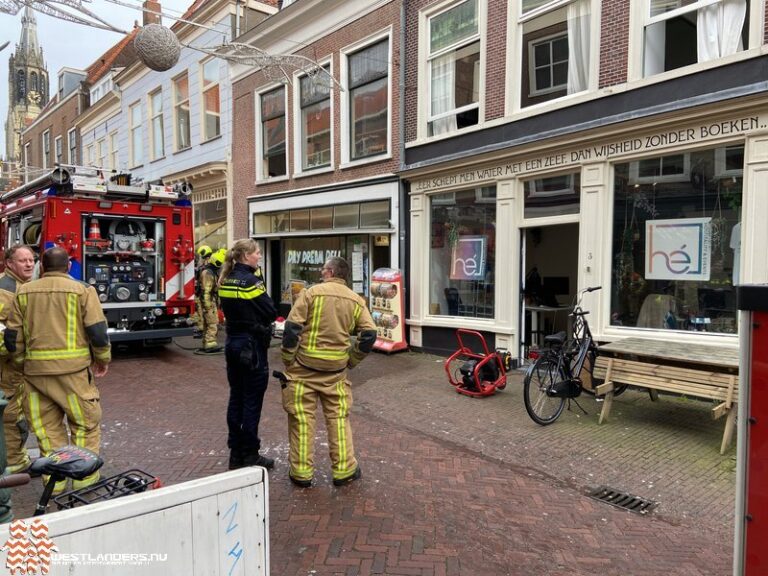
(701, 371)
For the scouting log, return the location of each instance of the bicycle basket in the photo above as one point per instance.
(129, 482)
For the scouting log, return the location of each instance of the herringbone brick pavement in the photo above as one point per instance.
(450, 485)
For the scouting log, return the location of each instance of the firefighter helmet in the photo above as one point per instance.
(218, 257)
(204, 251)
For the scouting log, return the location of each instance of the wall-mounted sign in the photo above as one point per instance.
(382, 240)
(468, 258)
(678, 249)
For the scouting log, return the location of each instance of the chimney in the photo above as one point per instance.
(151, 12)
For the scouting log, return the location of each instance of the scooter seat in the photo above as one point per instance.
(558, 338)
(68, 462)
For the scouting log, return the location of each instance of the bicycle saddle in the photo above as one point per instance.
(558, 338)
(68, 462)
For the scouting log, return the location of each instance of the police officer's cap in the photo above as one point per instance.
(204, 251)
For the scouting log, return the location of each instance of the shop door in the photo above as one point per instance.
(549, 279)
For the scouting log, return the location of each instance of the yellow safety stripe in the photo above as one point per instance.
(102, 355)
(22, 299)
(241, 293)
(37, 422)
(71, 321)
(287, 356)
(77, 413)
(57, 354)
(87, 481)
(327, 354)
(302, 466)
(341, 431)
(314, 329)
(355, 317)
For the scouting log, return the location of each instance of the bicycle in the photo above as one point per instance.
(557, 374)
(79, 463)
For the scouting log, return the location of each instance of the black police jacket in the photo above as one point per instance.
(247, 307)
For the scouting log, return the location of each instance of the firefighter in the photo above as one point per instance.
(250, 313)
(19, 267)
(317, 354)
(58, 333)
(203, 254)
(209, 308)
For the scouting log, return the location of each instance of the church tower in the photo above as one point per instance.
(28, 87)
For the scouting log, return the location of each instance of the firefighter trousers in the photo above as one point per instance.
(300, 395)
(14, 423)
(211, 326)
(52, 397)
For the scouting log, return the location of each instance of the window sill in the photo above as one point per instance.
(312, 172)
(180, 150)
(262, 181)
(366, 160)
(211, 139)
(136, 166)
(158, 159)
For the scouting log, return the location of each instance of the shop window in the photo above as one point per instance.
(302, 260)
(462, 254)
(375, 215)
(556, 57)
(369, 101)
(181, 112)
(321, 218)
(683, 32)
(299, 220)
(346, 216)
(453, 63)
(672, 168)
(315, 102)
(273, 149)
(211, 99)
(677, 244)
(552, 196)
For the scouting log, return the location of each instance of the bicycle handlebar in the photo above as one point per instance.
(13, 480)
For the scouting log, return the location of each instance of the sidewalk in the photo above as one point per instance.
(451, 485)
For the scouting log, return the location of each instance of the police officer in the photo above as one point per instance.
(19, 267)
(58, 332)
(209, 281)
(317, 354)
(249, 312)
(203, 254)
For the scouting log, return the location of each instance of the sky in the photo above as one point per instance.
(69, 44)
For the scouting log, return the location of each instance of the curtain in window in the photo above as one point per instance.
(443, 93)
(578, 46)
(719, 29)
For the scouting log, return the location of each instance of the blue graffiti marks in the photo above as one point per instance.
(232, 532)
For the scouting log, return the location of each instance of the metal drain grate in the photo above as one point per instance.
(622, 500)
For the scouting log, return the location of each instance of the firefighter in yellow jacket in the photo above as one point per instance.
(317, 353)
(58, 332)
(209, 298)
(19, 267)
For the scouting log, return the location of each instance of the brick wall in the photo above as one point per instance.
(614, 42)
(59, 121)
(244, 121)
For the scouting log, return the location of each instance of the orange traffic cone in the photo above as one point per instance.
(94, 232)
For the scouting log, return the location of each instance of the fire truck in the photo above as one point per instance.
(132, 242)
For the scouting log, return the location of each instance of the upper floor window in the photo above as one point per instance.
(58, 150)
(113, 161)
(101, 153)
(47, 149)
(27, 153)
(157, 131)
(678, 33)
(72, 147)
(137, 137)
(556, 49)
(90, 155)
(315, 103)
(181, 112)
(453, 63)
(368, 82)
(273, 148)
(211, 100)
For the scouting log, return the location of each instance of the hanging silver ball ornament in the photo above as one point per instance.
(157, 47)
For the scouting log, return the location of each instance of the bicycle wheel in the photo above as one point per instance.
(541, 376)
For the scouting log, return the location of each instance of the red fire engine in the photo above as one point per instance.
(133, 243)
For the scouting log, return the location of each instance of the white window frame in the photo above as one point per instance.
(425, 98)
(298, 165)
(27, 152)
(346, 116)
(176, 106)
(260, 175)
(640, 18)
(101, 152)
(514, 68)
(534, 91)
(72, 139)
(90, 155)
(135, 159)
(113, 151)
(156, 116)
(684, 176)
(203, 90)
(45, 140)
(58, 151)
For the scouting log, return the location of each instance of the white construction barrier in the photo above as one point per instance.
(215, 526)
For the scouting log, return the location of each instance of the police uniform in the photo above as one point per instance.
(55, 331)
(209, 279)
(249, 312)
(12, 384)
(317, 352)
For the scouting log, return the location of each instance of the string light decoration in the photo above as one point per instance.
(157, 47)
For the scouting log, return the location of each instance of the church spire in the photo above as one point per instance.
(29, 44)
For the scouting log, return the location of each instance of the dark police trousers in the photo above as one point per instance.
(247, 385)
